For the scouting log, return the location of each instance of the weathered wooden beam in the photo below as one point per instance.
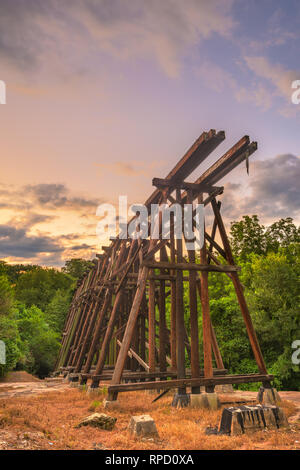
(197, 153)
(163, 183)
(136, 356)
(206, 322)
(233, 157)
(191, 266)
(129, 375)
(180, 326)
(195, 364)
(162, 318)
(185, 382)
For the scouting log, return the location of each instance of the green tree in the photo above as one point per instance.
(39, 286)
(248, 236)
(281, 234)
(40, 340)
(14, 271)
(76, 267)
(6, 296)
(57, 309)
(273, 296)
(9, 333)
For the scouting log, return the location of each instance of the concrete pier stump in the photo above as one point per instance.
(209, 401)
(93, 392)
(142, 426)
(111, 404)
(181, 400)
(268, 396)
(244, 419)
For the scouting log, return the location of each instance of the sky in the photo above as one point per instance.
(104, 95)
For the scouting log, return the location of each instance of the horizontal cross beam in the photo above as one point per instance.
(162, 183)
(191, 266)
(201, 381)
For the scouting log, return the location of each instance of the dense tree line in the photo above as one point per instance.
(34, 302)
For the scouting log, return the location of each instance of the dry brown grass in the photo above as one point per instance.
(48, 421)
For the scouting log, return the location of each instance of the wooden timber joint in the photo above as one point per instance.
(171, 184)
(191, 266)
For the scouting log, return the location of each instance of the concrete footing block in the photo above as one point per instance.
(93, 392)
(73, 380)
(209, 401)
(245, 419)
(74, 384)
(268, 396)
(181, 400)
(111, 404)
(142, 426)
(82, 386)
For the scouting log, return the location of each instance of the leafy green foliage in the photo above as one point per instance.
(41, 341)
(6, 296)
(248, 236)
(9, 333)
(76, 267)
(8, 327)
(33, 305)
(38, 287)
(273, 297)
(57, 309)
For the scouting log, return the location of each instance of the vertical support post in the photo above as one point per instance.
(195, 366)
(143, 329)
(180, 311)
(151, 323)
(173, 298)
(162, 321)
(142, 279)
(206, 323)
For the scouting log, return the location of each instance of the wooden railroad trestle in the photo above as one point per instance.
(117, 329)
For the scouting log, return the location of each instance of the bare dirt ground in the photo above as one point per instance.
(21, 383)
(19, 376)
(43, 415)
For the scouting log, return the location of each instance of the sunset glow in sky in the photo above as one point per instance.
(103, 95)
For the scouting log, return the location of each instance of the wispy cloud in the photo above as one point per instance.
(16, 242)
(273, 190)
(277, 76)
(25, 236)
(46, 195)
(220, 80)
(57, 196)
(162, 30)
(129, 168)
